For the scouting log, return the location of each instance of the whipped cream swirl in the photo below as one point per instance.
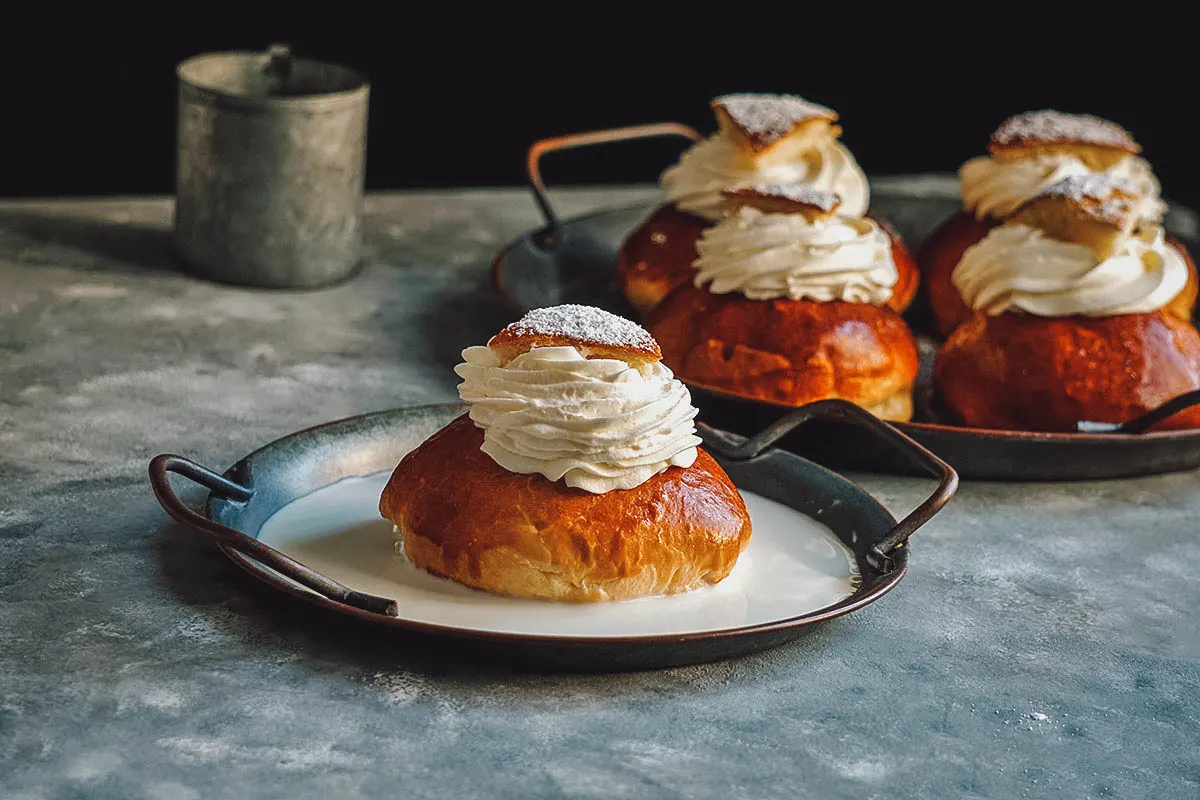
(992, 188)
(597, 424)
(1016, 267)
(765, 256)
(715, 164)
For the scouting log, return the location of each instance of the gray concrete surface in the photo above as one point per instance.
(1043, 645)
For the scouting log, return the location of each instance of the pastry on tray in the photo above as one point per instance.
(1078, 314)
(761, 138)
(576, 475)
(1027, 154)
(790, 302)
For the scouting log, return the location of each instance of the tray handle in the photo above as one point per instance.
(879, 555)
(1146, 421)
(572, 140)
(268, 556)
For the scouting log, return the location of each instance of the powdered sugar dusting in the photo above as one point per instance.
(1105, 196)
(586, 324)
(768, 117)
(796, 192)
(1049, 127)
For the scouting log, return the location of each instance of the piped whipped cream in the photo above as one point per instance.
(1016, 267)
(765, 256)
(695, 183)
(598, 424)
(992, 188)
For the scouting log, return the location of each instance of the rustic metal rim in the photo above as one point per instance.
(211, 94)
(877, 583)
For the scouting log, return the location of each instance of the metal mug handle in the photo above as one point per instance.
(268, 556)
(587, 139)
(880, 552)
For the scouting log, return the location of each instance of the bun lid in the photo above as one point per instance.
(1098, 142)
(772, 127)
(785, 198)
(1096, 210)
(595, 332)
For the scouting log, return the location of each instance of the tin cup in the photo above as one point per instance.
(269, 180)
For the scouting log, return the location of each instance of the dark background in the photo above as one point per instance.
(458, 94)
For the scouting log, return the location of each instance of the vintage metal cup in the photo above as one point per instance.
(269, 181)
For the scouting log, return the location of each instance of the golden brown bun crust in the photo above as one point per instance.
(944, 249)
(465, 517)
(1020, 372)
(939, 255)
(909, 274)
(788, 351)
(658, 257)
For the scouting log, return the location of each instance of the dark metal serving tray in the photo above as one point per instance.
(246, 495)
(574, 261)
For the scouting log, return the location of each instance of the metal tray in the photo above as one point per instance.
(242, 499)
(573, 261)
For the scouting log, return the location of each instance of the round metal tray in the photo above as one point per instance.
(252, 490)
(574, 261)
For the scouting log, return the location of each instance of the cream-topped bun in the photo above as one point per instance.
(766, 138)
(1075, 249)
(1032, 151)
(578, 412)
(764, 252)
(575, 475)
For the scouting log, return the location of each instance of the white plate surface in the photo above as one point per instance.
(792, 566)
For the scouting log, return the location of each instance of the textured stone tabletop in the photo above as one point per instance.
(1044, 644)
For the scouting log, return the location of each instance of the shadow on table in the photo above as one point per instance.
(470, 317)
(91, 243)
(271, 622)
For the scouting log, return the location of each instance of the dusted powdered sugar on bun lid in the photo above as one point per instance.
(765, 118)
(785, 198)
(576, 394)
(1057, 127)
(601, 333)
(1104, 197)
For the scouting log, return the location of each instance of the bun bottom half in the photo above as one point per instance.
(945, 247)
(789, 351)
(462, 516)
(1021, 372)
(657, 258)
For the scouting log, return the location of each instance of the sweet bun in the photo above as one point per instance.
(658, 256)
(938, 257)
(1021, 372)
(789, 351)
(464, 517)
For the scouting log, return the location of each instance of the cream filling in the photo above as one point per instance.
(1016, 267)
(716, 164)
(765, 256)
(598, 424)
(996, 189)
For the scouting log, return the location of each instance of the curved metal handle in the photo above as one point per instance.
(1146, 421)
(573, 140)
(248, 545)
(879, 555)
